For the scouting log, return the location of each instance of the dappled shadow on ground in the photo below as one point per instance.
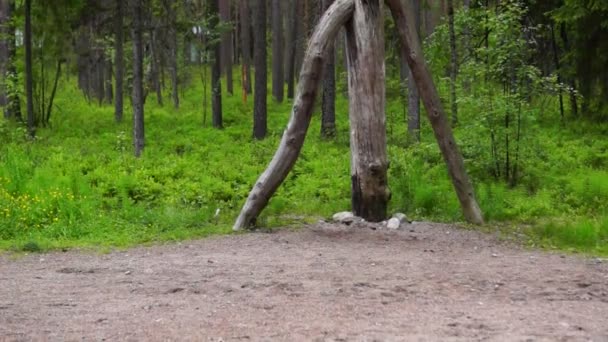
(321, 282)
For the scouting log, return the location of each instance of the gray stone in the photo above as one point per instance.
(401, 217)
(393, 223)
(344, 217)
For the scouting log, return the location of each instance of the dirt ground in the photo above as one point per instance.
(325, 282)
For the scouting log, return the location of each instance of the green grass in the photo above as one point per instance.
(78, 185)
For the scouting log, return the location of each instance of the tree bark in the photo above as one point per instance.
(5, 16)
(293, 137)
(278, 61)
(328, 103)
(226, 45)
(436, 114)
(13, 108)
(138, 75)
(119, 61)
(291, 44)
(246, 44)
(29, 77)
(453, 62)
(413, 101)
(366, 83)
(216, 82)
(261, 71)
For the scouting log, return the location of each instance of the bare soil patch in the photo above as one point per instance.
(324, 282)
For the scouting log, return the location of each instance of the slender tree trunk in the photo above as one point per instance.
(108, 87)
(301, 35)
(557, 70)
(5, 16)
(293, 137)
(453, 62)
(246, 44)
(49, 109)
(261, 71)
(290, 45)
(413, 101)
(328, 105)
(138, 75)
(573, 100)
(119, 60)
(436, 114)
(13, 108)
(29, 77)
(278, 61)
(155, 65)
(226, 45)
(216, 81)
(366, 83)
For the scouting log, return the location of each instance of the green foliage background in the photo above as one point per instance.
(77, 184)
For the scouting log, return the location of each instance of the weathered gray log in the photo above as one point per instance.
(436, 113)
(293, 137)
(366, 89)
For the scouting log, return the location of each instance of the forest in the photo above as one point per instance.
(145, 121)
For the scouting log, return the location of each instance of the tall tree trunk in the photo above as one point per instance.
(226, 45)
(413, 101)
(436, 114)
(573, 100)
(366, 83)
(278, 62)
(108, 78)
(328, 105)
(453, 62)
(261, 71)
(29, 77)
(119, 60)
(246, 44)
(13, 108)
(216, 80)
(5, 16)
(293, 137)
(171, 54)
(138, 75)
(557, 70)
(290, 46)
(155, 62)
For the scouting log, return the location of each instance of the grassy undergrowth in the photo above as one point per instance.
(78, 185)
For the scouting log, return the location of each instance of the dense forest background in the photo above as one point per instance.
(148, 120)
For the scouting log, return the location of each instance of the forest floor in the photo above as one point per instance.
(322, 282)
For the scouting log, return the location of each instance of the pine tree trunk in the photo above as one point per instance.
(119, 60)
(278, 62)
(29, 77)
(245, 14)
(216, 83)
(226, 45)
(291, 44)
(436, 114)
(293, 137)
(261, 71)
(108, 79)
(4, 54)
(413, 101)
(13, 109)
(328, 104)
(138, 75)
(366, 83)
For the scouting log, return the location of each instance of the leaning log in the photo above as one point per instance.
(293, 137)
(441, 127)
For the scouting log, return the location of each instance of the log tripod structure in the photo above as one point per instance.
(363, 21)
